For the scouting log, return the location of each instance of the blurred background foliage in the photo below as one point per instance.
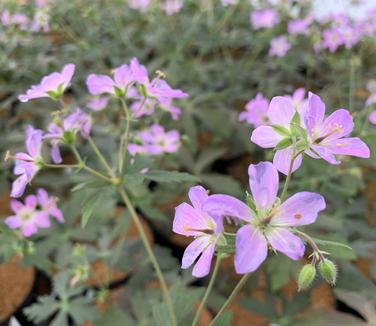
(211, 52)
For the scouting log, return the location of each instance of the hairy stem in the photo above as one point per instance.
(312, 243)
(153, 259)
(208, 290)
(233, 294)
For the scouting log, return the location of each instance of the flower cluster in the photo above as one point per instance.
(34, 213)
(294, 132)
(19, 20)
(125, 77)
(294, 126)
(129, 82)
(330, 32)
(170, 7)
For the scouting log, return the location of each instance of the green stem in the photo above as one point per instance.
(208, 290)
(312, 243)
(151, 255)
(101, 157)
(124, 137)
(233, 294)
(288, 178)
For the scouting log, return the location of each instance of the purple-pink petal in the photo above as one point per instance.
(225, 205)
(202, 267)
(300, 209)
(29, 228)
(189, 222)
(281, 111)
(13, 222)
(286, 242)
(349, 146)
(324, 152)
(265, 137)
(315, 113)
(198, 195)
(337, 125)
(263, 182)
(251, 249)
(193, 250)
(18, 186)
(282, 160)
(100, 84)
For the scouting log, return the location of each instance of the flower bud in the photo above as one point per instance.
(328, 271)
(306, 276)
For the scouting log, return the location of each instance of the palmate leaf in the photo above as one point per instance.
(43, 309)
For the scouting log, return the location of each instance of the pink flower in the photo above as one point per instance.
(27, 164)
(299, 26)
(52, 86)
(264, 18)
(256, 109)
(156, 141)
(192, 221)
(34, 214)
(125, 76)
(101, 84)
(48, 204)
(76, 122)
(332, 39)
(328, 136)
(279, 46)
(172, 7)
(269, 223)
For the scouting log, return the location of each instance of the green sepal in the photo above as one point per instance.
(283, 131)
(119, 92)
(284, 143)
(69, 137)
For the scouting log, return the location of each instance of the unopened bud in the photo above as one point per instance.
(328, 271)
(306, 276)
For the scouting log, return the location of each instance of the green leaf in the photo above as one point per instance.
(281, 130)
(88, 207)
(44, 308)
(284, 143)
(331, 243)
(170, 176)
